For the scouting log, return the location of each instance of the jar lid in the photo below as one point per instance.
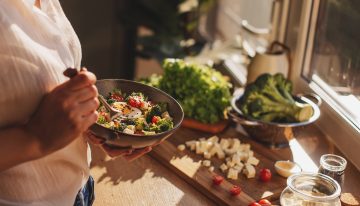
(314, 186)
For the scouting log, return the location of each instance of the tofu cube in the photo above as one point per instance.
(249, 171)
(238, 167)
(224, 143)
(232, 174)
(213, 139)
(216, 150)
(206, 163)
(253, 161)
(223, 167)
(181, 147)
(191, 145)
(207, 155)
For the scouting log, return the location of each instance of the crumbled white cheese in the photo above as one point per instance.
(131, 127)
(249, 171)
(213, 139)
(181, 147)
(216, 149)
(211, 169)
(128, 131)
(206, 163)
(191, 145)
(232, 174)
(253, 160)
(238, 167)
(223, 167)
(207, 155)
(234, 147)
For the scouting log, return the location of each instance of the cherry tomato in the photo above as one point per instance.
(235, 190)
(254, 204)
(155, 119)
(265, 175)
(116, 97)
(264, 202)
(217, 179)
(134, 102)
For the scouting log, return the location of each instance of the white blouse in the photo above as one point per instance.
(36, 46)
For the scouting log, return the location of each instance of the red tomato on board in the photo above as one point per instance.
(265, 175)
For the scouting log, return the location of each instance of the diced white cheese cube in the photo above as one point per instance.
(207, 155)
(253, 160)
(236, 158)
(251, 153)
(181, 147)
(235, 144)
(128, 131)
(131, 127)
(230, 164)
(211, 169)
(232, 174)
(216, 149)
(213, 139)
(238, 167)
(224, 143)
(243, 155)
(227, 159)
(191, 144)
(223, 167)
(206, 163)
(244, 147)
(249, 171)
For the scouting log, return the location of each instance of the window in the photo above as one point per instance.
(325, 40)
(335, 59)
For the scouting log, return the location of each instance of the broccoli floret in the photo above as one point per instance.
(140, 123)
(154, 111)
(101, 119)
(161, 126)
(269, 99)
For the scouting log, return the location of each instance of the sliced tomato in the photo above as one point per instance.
(217, 179)
(235, 190)
(264, 202)
(155, 119)
(117, 97)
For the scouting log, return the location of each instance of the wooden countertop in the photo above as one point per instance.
(147, 182)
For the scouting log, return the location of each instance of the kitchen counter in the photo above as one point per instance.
(147, 182)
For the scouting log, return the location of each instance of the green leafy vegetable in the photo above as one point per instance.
(203, 92)
(269, 99)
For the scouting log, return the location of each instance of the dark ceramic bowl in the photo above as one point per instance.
(121, 139)
(273, 134)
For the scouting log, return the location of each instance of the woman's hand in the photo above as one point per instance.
(128, 154)
(65, 113)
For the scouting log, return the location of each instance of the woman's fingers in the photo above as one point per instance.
(85, 94)
(81, 80)
(137, 153)
(116, 151)
(87, 107)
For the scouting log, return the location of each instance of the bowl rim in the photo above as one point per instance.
(158, 90)
(315, 116)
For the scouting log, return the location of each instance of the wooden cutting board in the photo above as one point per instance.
(186, 164)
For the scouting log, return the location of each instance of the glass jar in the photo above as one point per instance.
(311, 189)
(333, 166)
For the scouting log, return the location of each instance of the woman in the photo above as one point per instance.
(43, 114)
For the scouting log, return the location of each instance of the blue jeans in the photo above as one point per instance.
(86, 195)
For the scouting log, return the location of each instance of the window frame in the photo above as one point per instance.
(332, 122)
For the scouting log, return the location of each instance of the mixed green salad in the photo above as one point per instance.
(138, 114)
(203, 92)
